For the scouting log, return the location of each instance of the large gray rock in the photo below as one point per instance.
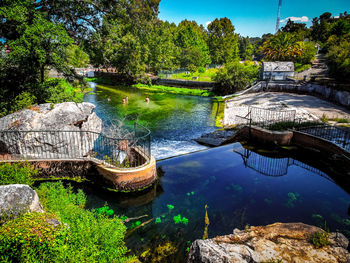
(288, 242)
(17, 199)
(33, 132)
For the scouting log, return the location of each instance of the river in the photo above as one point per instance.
(174, 120)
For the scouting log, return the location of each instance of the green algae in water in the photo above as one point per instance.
(292, 198)
(158, 220)
(136, 224)
(237, 187)
(105, 210)
(179, 220)
(170, 207)
(268, 201)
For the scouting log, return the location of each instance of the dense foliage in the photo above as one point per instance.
(67, 233)
(235, 76)
(17, 173)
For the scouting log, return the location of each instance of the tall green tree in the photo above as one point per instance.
(191, 39)
(246, 49)
(222, 41)
(282, 47)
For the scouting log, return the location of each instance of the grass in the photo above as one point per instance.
(174, 90)
(206, 76)
(300, 68)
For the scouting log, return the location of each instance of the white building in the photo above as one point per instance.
(277, 70)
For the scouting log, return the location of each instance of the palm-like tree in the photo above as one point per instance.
(282, 47)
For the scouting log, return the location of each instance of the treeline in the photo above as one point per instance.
(128, 37)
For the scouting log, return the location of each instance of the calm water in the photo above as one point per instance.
(175, 120)
(241, 187)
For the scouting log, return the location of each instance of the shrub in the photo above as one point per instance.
(93, 237)
(17, 173)
(320, 239)
(31, 238)
(23, 100)
(235, 76)
(201, 70)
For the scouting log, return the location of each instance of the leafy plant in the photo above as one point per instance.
(17, 173)
(320, 239)
(105, 210)
(179, 220)
(91, 237)
(33, 237)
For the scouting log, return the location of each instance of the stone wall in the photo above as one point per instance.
(328, 93)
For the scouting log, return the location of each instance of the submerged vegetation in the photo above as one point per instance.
(174, 90)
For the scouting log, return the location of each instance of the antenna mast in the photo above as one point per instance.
(278, 16)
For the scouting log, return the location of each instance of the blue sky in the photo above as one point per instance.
(250, 17)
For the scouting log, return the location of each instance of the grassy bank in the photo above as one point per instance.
(197, 76)
(174, 90)
(157, 88)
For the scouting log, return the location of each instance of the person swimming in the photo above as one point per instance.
(124, 101)
(147, 99)
(108, 99)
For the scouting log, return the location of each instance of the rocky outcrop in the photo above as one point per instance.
(289, 242)
(216, 138)
(70, 118)
(17, 199)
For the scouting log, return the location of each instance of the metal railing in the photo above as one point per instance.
(274, 167)
(266, 117)
(337, 135)
(127, 152)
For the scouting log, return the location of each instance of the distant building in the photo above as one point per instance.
(277, 70)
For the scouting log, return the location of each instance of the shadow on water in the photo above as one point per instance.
(240, 184)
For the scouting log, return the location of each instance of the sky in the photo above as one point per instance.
(250, 17)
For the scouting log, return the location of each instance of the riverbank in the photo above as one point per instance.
(158, 88)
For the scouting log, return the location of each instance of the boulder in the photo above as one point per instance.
(280, 242)
(17, 199)
(45, 132)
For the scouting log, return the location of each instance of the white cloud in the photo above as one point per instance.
(207, 23)
(302, 19)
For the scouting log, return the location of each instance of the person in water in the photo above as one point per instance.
(127, 99)
(108, 99)
(124, 101)
(147, 99)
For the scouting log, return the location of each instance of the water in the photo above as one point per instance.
(240, 187)
(174, 120)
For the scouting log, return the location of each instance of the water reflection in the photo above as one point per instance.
(273, 166)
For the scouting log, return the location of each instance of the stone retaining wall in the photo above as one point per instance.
(328, 93)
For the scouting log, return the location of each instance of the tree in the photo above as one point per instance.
(298, 29)
(235, 76)
(77, 57)
(222, 41)
(246, 49)
(191, 38)
(282, 47)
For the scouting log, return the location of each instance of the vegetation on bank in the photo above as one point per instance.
(66, 232)
(174, 90)
(201, 74)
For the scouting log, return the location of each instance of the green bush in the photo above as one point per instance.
(320, 239)
(235, 76)
(201, 69)
(23, 100)
(92, 237)
(31, 238)
(57, 91)
(17, 173)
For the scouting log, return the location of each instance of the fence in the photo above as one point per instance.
(131, 151)
(266, 117)
(274, 167)
(337, 135)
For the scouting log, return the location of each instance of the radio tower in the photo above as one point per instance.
(278, 16)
